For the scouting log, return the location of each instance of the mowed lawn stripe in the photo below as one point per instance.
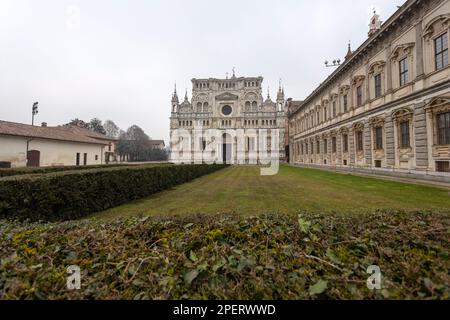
(243, 190)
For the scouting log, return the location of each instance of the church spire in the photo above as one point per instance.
(280, 97)
(349, 52)
(175, 95)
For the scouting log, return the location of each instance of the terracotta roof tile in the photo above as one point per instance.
(53, 133)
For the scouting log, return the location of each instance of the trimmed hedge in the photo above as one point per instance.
(5, 164)
(230, 257)
(72, 195)
(44, 170)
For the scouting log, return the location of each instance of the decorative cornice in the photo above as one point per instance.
(393, 22)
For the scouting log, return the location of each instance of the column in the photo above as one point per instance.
(420, 135)
(390, 147)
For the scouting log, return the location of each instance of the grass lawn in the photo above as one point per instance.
(222, 237)
(242, 190)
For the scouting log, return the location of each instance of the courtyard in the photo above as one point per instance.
(242, 190)
(229, 234)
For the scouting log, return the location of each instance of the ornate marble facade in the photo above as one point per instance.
(232, 107)
(387, 107)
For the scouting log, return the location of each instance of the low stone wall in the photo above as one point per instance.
(442, 177)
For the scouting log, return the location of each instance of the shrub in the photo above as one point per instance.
(44, 170)
(267, 256)
(5, 164)
(71, 195)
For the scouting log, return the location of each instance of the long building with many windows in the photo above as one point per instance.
(387, 106)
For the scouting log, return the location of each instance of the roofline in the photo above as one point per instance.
(54, 139)
(229, 79)
(384, 27)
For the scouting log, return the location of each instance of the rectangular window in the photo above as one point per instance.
(403, 65)
(306, 148)
(443, 124)
(85, 159)
(377, 163)
(333, 144)
(312, 148)
(345, 100)
(379, 138)
(404, 134)
(318, 147)
(359, 141)
(377, 80)
(203, 144)
(78, 159)
(359, 96)
(345, 142)
(441, 51)
(442, 166)
(325, 146)
(334, 109)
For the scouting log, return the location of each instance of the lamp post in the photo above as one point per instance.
(34, 111)
(335, 63)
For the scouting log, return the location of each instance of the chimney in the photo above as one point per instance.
(44, 125)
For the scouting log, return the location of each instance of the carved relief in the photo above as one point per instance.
(358, 80)
(402, 51)
(376, 67)
(436, 25)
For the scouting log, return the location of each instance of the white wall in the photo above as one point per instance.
(53, 152)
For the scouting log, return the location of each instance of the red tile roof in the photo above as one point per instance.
(69, 133)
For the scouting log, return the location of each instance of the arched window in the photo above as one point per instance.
(199, 107)
(205, 107)
(254, 106)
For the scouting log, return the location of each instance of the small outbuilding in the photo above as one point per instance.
(23, 145)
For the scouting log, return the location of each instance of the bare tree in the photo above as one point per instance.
(134, 145)
(112, 130)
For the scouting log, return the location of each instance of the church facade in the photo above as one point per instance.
(228, 120)
(387, 106)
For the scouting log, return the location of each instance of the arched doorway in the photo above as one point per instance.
(33, 158)
(227, 148)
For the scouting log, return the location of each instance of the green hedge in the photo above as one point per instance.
(5, 164)
(230, 257)
(71, 195)
(44, 170)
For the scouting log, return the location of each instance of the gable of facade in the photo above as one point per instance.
(226, 106)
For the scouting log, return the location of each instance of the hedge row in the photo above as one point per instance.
(5, 164)
(44, 170)
(71, 195)
(228, 256)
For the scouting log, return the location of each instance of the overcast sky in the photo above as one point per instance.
(118, 60)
